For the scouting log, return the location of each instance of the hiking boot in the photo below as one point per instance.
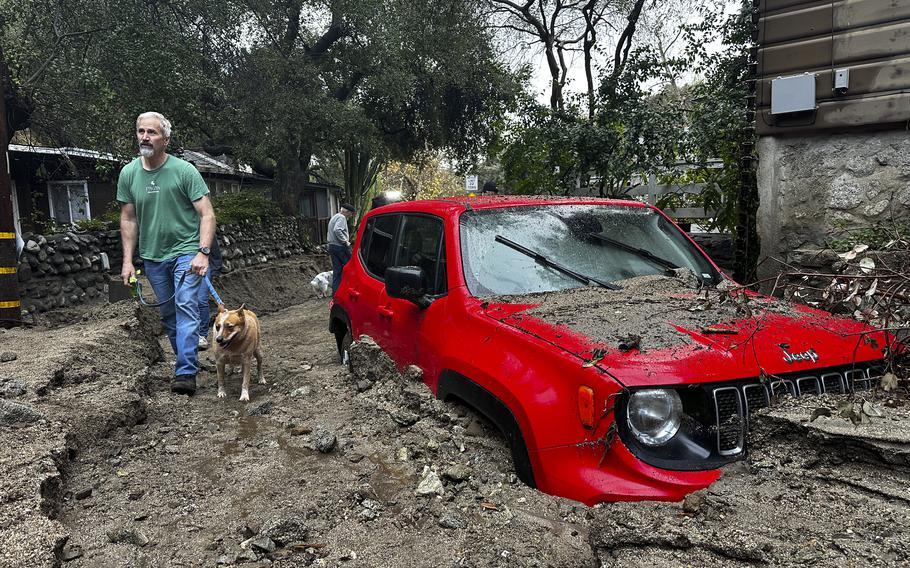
(203, 343)
(184, 384)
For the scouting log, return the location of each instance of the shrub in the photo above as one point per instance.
(231, 208)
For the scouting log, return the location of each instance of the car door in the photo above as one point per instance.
(420, 243)
(366, 291)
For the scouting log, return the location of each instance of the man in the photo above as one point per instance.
(165, 208)
(339, 243)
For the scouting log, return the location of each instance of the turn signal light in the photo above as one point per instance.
(586, 406)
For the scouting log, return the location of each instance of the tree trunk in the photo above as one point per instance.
(290, 179)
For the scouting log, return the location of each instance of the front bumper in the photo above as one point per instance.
(628, 470)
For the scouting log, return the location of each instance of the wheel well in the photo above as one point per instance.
(338, 320)
(338, 324)
(455, 385)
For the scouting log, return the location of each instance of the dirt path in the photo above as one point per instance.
(323, 468)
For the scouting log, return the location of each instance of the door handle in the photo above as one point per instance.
(353, 294)
(386, 312)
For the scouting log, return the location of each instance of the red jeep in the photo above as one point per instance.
(616, 359)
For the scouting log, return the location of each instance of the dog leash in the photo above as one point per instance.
(138, 291)
(212, 291)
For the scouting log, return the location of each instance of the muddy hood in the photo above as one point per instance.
(658, 331)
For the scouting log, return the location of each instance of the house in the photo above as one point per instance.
(74, 184)
(832, 103)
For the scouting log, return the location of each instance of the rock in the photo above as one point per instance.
(70, 552)
(368, 514)
(15, 413)
(694, 502)
(285, 530)
(323, 440)
(300, 430)
(475, 429)
(305, 390)
(430, 484)
(404, 417)
(413, 374)
(32, 247)
(227, 558)
(12, 388)
(171, 449)
(247, 556)
(457, 473)
(260, 544)
(127, 536)
(260, 408)
(8, 356)
(450, 521)
(83, 494)
(369, 362)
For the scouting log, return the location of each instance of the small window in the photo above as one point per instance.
(421, 244)
(378, 244)
(68, 201)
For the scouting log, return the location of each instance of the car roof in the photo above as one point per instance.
(457, 204)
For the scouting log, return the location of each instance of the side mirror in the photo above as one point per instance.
(407, 283)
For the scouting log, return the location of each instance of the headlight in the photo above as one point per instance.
(654, 415)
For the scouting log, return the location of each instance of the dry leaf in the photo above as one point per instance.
(867, 265)
(870, 410)
(857, 250)
(889, 382)
(872, 288)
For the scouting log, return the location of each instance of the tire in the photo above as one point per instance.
(344, 339)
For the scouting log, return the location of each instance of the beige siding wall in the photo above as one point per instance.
(871, 38)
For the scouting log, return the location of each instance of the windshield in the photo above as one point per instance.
(603, 242)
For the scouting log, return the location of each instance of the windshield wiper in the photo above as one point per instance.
(546, 261)
(644, 253)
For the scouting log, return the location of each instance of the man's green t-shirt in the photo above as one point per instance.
(168, 222)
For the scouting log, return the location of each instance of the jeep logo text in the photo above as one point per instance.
(809, 355)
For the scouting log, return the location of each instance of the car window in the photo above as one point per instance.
(376, 250)
(608, 243)
(420, 244)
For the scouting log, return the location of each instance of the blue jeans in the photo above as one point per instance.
(340, 255)
(205, 313)
(180, 315)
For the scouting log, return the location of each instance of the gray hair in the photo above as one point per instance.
(165, 123)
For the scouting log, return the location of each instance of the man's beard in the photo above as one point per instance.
(146, 151)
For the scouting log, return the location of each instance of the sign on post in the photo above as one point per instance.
(470, 184)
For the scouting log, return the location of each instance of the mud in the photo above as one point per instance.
(325, 467)
(646, 307)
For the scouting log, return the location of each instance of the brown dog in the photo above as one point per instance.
(237, 340)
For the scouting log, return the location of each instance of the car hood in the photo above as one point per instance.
(658, 330)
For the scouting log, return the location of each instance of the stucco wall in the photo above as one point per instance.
(812, 189)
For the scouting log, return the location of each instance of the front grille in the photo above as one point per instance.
(733, 403)
(729, 407)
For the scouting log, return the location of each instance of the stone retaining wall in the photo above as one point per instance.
(73, 268)
(816, 188)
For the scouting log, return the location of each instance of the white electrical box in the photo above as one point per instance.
(793, 94)
(842, 79)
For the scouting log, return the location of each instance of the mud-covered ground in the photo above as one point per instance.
(100, 465)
